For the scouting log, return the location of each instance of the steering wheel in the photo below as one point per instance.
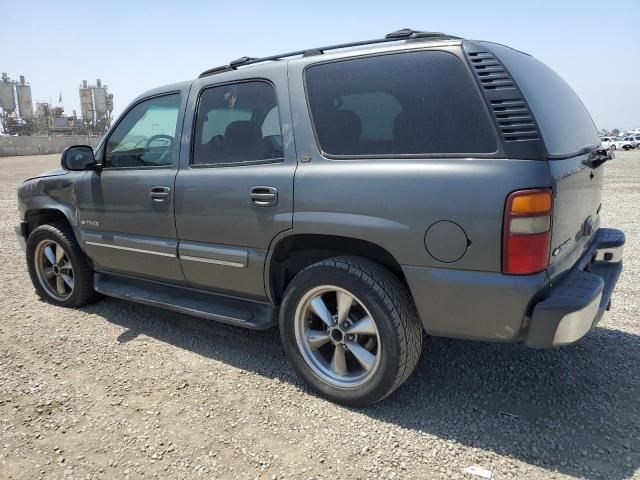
(169, 147)
(156, 137)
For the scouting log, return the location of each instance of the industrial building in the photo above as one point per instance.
(17, 116)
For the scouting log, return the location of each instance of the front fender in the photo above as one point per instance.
(56, 193)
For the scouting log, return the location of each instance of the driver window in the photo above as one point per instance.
(146, 135)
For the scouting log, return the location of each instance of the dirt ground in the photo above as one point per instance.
(120, 390)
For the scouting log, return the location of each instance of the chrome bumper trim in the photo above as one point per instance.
(576, 325)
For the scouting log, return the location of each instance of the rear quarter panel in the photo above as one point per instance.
(392, 202)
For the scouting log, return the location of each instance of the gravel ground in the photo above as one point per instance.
(128, 391)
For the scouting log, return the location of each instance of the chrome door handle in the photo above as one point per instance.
(261, 196)
(160, 194)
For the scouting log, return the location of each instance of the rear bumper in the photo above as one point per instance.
(512, 308)
(575, 304)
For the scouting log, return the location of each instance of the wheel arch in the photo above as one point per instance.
(292, 253)
(41, 216)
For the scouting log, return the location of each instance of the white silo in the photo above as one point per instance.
(25, 102)
(7, 98)
(100, 98)
(86, 103)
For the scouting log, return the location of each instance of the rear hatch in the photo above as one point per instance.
(576, 213)
(571, 140)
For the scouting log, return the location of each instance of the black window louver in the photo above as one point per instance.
(490, 71)
(510, 110)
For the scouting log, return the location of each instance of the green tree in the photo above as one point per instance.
(615, 132)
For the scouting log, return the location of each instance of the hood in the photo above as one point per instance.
(50, 173)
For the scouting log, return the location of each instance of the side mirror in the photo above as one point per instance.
(79, 157)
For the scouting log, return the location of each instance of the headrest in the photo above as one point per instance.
(242, 131)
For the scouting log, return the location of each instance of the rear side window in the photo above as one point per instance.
(237, 123)
(399, 104)
(565, 123)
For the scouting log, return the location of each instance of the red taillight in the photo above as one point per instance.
(527, 231)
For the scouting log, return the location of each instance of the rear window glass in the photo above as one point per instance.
(398, 104)
(565, 123)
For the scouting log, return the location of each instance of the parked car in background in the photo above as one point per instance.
(606, 142)
(616, 143)
(355, 197)
(629, 143)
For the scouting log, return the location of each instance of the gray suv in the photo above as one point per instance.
(357, 195)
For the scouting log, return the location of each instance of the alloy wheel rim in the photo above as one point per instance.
(337, 336)
(54, 270)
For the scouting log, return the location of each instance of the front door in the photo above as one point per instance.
(234, 190)
(126, 209)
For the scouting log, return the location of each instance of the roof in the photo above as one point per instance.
(172, 87)
(405, 34)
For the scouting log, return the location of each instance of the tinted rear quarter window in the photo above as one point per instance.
(565, 123)
(408, 103)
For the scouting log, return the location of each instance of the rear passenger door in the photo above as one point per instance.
(234, 189)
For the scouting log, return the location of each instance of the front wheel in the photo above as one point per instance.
(350, 330)
(58, 268)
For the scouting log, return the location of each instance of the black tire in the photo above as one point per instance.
(613, 146)
(82, 292)
(389, 303)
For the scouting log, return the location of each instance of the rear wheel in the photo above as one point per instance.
(58, 268)
(350, 329)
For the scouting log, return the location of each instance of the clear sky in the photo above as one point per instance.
(137, 45)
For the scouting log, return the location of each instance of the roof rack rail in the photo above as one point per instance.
(403, 34)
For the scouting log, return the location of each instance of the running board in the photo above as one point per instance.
(243, 313)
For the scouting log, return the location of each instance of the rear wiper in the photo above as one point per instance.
(598, 157)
